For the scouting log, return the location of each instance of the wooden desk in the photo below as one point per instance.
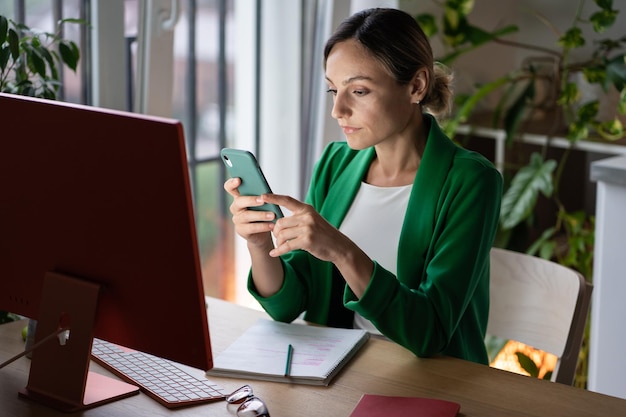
(381, 367)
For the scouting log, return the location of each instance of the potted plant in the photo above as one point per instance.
(29, 65)
(30, 59)
(518, 101)
(549, 84)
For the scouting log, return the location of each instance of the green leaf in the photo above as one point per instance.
(36, 42)
(603, 20)
(27, 90)
(573, 38)
(505, 31)
(588, 111)
(595, 74)
(616, 72)
(477, 36)
(464, 7)
(515, 113)
(458, 51)
(49, 93)
(452, 21)
(4, 27)
(611, 129)
(35, 61)
(5, 53)
(428, 24)
(543, 246)
(520, 198)
(51, 62)
(20, 73)
(6, 317)
(547, 250)
(69, 54)
(569, 95)
(14, 44)
(527, 364)
(454, 29)
(468, 105)
(72, 20)
(604, 4)
(621, 107)
(577, 131)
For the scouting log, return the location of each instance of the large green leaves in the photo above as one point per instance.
(457, 32)
(472, 37)
(466, 108)
(519, 200)
(29, 60)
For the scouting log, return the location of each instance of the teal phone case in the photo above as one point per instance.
(244, 165)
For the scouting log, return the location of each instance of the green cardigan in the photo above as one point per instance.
(439, 301)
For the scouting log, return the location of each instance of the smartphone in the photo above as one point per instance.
(244, 165)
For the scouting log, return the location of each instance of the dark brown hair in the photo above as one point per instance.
(395, 39)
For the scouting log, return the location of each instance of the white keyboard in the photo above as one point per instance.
(159, 378)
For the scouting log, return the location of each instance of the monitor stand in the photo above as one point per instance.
(59, 374)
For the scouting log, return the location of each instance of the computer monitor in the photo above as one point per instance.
(97, 231)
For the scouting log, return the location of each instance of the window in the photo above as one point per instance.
(202, 91)
(225, 55)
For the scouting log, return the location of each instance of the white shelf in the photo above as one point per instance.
(499, 136)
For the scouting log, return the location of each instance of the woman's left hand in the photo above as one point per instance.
(307, 230)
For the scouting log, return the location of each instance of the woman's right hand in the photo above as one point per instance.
(253, 225)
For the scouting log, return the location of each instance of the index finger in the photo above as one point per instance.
(286, 201)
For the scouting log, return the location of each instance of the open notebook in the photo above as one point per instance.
(261, 352)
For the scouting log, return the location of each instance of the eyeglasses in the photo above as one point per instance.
(249, 404)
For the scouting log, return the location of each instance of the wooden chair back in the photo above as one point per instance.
(539, 303)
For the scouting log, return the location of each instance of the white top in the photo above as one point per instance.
(374, 223)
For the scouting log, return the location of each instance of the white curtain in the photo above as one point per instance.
(320, 18)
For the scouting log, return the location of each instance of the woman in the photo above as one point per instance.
(398, 222)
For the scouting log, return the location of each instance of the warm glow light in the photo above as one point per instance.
(507, 359)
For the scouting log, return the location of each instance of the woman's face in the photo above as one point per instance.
(370, 106)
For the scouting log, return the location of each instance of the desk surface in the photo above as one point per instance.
(381, 367)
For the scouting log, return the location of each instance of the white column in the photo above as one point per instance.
(607, 362)
(280, 94)
(108, 54)
(155, 57)
(279, 105)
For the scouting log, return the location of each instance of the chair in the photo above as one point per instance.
(539, 303)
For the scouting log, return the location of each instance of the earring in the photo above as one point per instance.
(417, 102)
